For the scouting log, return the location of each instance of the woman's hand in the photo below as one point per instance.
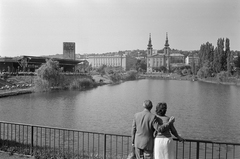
(180, 139)
(172, 119)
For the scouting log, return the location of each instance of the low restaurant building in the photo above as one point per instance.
(31, 63)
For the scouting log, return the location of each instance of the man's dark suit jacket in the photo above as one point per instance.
(143, 126)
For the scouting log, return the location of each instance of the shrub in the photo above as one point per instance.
(101, 70)
(63, 81)
(184, 72)
(131, 75)
(222, 76)
(160, 69)
(41, 85)
(204, 72)
(81, 83)
(116, 77)
(49, 71)
(200, 73)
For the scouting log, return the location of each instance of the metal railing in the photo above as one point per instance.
(65, 143)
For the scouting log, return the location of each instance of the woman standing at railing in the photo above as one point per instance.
(163, 143)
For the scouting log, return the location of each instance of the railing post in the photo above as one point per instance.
(104, 146)
(197, 155)
(32, 131)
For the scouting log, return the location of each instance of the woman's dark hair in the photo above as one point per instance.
(161, 109)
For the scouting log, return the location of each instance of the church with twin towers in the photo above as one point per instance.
(162, 58)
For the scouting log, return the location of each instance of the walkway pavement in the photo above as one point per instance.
(6, 93)
(5, 155)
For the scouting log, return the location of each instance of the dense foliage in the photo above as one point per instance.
(48, 75)
(131, 75)
(101, 70)
(237, 65)
(50, 71)
(141, 65)
(81, 83)
(213, 61)
(160, 69)
(115, 77)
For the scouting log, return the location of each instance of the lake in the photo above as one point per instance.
(202, 110)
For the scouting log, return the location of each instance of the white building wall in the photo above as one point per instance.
(114, 61)
(187, 60)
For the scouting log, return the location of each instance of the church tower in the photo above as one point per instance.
(167, 54)
(149, 49)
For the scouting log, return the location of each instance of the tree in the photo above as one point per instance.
(216, 61)
(131, 75)
(222, 54)
(193, 69)
(49, 73)
(205, 71)
(141, 65)
(237, 61)
(206, 53)
(237, 64)
(229, 57)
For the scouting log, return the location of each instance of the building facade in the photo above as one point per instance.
(166, 58)
(124, 61)
(31, 63)
(190, 59)
(69, 50)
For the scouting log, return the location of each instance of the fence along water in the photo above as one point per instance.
(66, 143)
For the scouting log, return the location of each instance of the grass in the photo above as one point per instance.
(46, 152)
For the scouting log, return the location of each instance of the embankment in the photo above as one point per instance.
(7, 93)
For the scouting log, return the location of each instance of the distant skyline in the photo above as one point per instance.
(39, 27)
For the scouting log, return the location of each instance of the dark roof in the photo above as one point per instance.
(39, 59)
(7, 59)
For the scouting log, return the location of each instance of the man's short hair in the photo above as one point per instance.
(147, 104)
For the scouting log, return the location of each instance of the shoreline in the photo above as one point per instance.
(169, 77)
(7, 93)
(105, 81)
(217, 82)
(188, 78)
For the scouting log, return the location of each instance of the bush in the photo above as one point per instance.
(160, 69)
(222, 76)
(49, 71)
(101, 70)
(41, 85)
(184, 72)
(81, 83)
(204, 72)
(116, 77)
(131, 75)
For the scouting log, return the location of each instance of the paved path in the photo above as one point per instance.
(5, 155)
(6, 93)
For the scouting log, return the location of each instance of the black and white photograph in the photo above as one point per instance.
(119, 79)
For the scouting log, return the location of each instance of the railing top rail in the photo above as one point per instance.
(118, 135)
(50, 127)
(208, 141)
(67, 129)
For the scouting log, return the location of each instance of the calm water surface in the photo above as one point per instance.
(202, 110)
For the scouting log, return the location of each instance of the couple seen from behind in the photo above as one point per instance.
(151, 134)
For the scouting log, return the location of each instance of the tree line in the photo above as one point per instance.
(215, 60)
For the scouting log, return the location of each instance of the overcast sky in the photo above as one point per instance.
(39, 27)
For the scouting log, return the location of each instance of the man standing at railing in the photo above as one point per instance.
(143, 127)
